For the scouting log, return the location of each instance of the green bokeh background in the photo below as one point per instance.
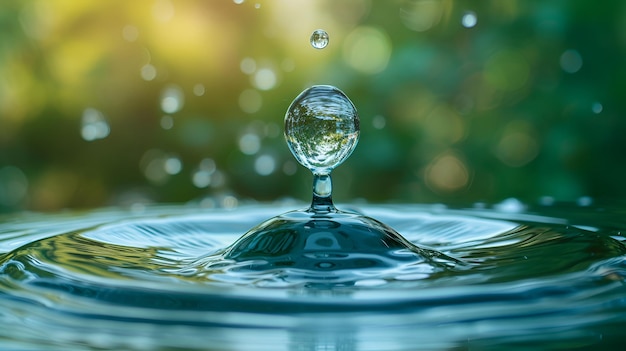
(528, 102)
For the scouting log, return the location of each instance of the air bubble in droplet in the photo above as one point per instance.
(319, 39)
(321, 128)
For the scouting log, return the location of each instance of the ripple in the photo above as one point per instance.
(160, 280)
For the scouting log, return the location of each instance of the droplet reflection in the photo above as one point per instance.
(321, 128)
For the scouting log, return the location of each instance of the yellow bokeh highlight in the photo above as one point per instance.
(447, 173)
(367, 49)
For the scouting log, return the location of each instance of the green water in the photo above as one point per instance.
(543, 278)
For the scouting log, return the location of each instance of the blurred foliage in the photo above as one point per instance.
(121, 102)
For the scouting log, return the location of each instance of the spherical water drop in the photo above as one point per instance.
(319, 39)
(321, 128)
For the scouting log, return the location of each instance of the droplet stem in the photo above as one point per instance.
(322, 194)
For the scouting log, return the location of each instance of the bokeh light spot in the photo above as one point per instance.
(172, 99)
(597, 107)
(249, 143)
(421, 15)
(447, 173)
(367, 50)
(148, 72)
(265, 79)
(250, 101)
(13, 186)
(264, 165)
(518, 144)
(93, 125)
(163, 10)
(571, 61)
(469, 19)
(130, 33)
(201, 179)
(173, 165)
(290, 168)
(247, 65)
(379, 122)
(167, 122)
(443, 125)
(199, 89)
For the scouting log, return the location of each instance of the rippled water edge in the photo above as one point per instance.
(115, 305)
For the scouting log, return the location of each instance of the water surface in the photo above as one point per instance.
(545, 278)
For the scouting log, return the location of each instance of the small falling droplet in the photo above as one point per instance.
(319, 39)
(321, 128)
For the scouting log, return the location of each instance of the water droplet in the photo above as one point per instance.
(469, 19)
(321, 128)
(319, 39)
